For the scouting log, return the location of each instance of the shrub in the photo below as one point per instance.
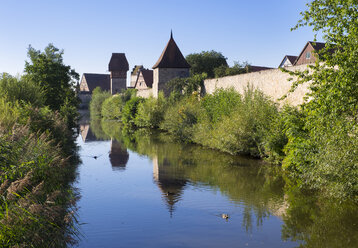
(130, 110)
(221, 103)
(22, 90)
(98, 97)
(112, 108)
(179, 119)
(243, 129)
(151, 112)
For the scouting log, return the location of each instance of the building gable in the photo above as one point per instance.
(144, 79)
(308, 54)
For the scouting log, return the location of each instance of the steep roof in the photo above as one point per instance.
(148, 77)
(290, 58)
(316, 46)
(171, 57)
(94, 80)
(118, 62)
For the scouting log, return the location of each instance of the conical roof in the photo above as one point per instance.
(171, 57)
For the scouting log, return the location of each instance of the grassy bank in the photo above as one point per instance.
(37, 157)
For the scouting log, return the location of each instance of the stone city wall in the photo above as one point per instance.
(273, 83)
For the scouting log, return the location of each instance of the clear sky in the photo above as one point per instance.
(257, 31)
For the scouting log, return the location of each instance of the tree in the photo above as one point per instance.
(57, 80)
(323, 151)
(223, 71)
(205, 62)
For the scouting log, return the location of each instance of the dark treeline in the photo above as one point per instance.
(315, 143)
(38, 112)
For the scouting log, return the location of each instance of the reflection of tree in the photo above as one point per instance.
(316, 222)
(241, 179)
(97, 130)
(320, 223)
(118, 155)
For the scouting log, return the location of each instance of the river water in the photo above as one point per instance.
(141, 189)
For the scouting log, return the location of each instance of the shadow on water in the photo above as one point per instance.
(308, 220)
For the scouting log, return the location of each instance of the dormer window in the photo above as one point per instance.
(308, 55)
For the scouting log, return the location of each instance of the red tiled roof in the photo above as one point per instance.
(171, 57)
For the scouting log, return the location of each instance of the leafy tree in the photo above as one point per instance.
(186, 86)
(224, 70)
(205, 62)
(56, 79)
(322, 152)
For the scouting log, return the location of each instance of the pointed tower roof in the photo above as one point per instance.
(171, 56)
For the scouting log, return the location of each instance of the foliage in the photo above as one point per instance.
(205, 62)
(223, 71)
(187, 86)
(221, 103)
(35, 191)
(151, 112)
(179, 119)
(330, 117)
(98, 97)
(244, 129)
(130, 111)
(112, 108)
(22, 90)
(57, 79)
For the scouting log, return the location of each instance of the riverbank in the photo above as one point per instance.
(249, 124)
(38, 153)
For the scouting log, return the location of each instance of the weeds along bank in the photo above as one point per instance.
(37, 158)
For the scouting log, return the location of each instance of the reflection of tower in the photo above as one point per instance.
(170, 181)
(118, 156)
(86, 133)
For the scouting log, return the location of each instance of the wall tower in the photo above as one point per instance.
(118, 66)
(171, 64)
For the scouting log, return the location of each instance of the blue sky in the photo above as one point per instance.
(257, 31)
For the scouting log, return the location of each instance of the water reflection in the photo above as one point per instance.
(170, 181)
(254, 188)
(118, 155)
(87, 134)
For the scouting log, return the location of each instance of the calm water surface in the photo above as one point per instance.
(143, 190)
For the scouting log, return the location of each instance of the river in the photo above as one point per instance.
(142, 189)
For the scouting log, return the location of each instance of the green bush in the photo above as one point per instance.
(221, 103)
(244, 129)
(151, 112)
(24, 91)
(130, 111)
(98, 97)
(112, 108)
(179, 119)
